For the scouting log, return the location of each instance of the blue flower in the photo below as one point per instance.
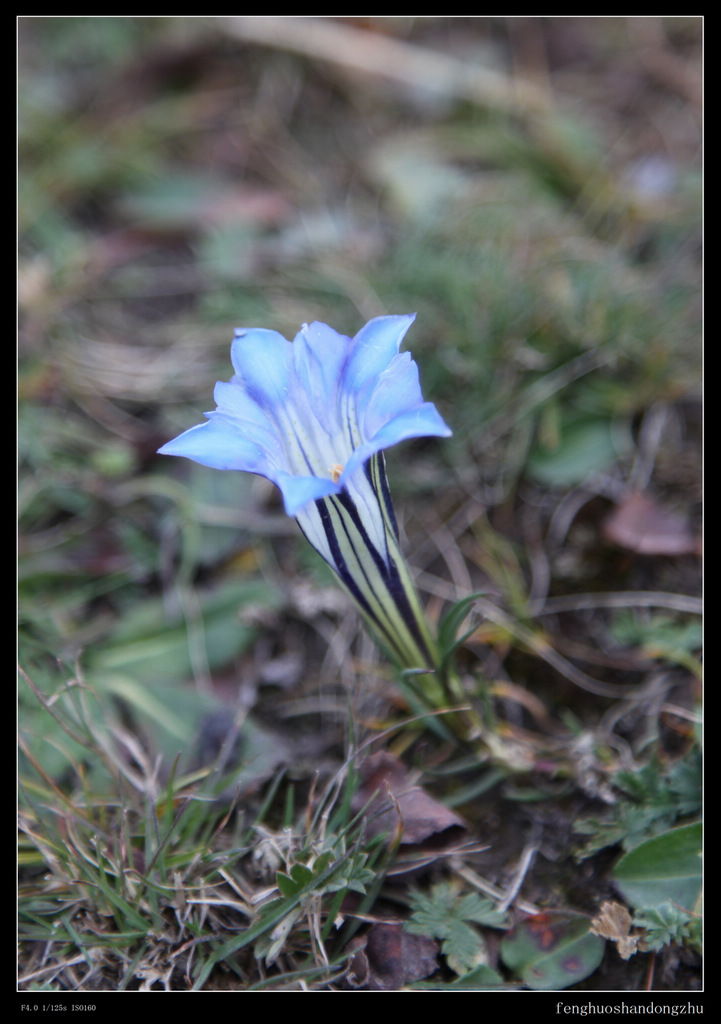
(308, 414)
(313, 416)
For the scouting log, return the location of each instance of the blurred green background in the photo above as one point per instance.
(529, 186)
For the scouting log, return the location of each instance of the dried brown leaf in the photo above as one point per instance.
(642, 525)
(614, 923)
(386, 958)
(400, 804)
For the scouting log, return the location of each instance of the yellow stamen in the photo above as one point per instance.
(335, 471)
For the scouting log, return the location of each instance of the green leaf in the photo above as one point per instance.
(463, 948)
(585, 447)
(291, 884)
(473, 907)
(451, 621)
(449, 917)
(552, 950)
(664, 868)
(448, 640)
(148, 648)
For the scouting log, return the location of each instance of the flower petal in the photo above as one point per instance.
(220, 445)
(396, 390)
(319, 357)
(263, 361)
(374, 346)
(235, 405)
(423, 421)
(299, 491)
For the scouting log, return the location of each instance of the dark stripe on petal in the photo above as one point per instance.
(387, 570)
(390, 580)
(341, 566)
(371, 589)
(366, 591)
(350, 507)
(375, 470)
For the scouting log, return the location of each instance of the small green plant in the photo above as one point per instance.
(661, 636)
(668, 923)
(653, 799)
(662, 879)
(333, 870)
(450, 916)
(547, 950)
